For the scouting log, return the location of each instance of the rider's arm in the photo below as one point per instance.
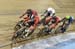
(23, 15)
(57, 20)
(44, 13)
(62, 19)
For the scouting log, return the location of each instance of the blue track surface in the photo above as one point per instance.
(64, 45)
(66, 41)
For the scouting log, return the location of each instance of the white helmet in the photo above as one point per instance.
(49, 9)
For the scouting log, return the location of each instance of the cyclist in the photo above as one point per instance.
(69, 20)
(54, 20)
(32, 19)
(49, 12)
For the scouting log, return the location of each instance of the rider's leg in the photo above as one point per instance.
(30, 30)
(65, 28)
(47, 20)
(51, 27)
(43, 20)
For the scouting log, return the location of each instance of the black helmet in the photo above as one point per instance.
(29, 11)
